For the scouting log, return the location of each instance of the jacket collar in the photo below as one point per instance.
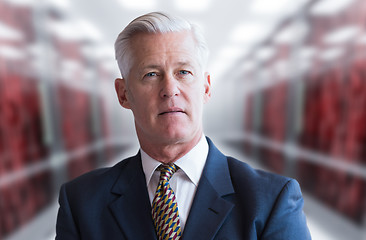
(208, 211)
(209, 208)
(132, 199)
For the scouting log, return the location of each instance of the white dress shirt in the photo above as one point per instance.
(184, 182)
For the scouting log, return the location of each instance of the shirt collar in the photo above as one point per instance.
(191, 164)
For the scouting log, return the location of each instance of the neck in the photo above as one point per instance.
(168, 153)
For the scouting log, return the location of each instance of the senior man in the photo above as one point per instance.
(179, 185)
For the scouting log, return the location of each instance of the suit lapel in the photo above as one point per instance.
(209, 208)
(132, 209)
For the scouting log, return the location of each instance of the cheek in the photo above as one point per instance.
(197, 100)
(199, 94)
(134, 100)
(141, 102)
(135, 95)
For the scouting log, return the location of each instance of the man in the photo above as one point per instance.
(179, 185)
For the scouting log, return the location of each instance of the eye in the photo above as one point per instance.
(151, 74)
(184, 72)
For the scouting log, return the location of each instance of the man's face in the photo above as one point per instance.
(165, 88)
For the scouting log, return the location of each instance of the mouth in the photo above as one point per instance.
(171, 111)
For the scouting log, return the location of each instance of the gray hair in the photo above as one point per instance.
(157, 22)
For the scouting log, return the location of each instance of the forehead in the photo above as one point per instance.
(147, 41)
(179, 44)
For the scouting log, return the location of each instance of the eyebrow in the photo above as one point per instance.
(147, 68)
(151, 66)
(185, 63)
(157, 66)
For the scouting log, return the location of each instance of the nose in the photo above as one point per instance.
(169, 87)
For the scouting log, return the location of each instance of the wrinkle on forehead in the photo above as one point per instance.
(155, 51)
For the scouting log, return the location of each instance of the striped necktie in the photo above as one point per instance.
(164, 208)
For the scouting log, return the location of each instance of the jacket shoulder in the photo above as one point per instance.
(243, 177)
(243, 173)
(96, 181)
(272, 202)
(257, 188)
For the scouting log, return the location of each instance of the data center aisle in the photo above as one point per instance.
(324, 224)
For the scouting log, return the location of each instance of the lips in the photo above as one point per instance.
(171, 110)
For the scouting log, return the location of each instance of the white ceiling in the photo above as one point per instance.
(231, 27)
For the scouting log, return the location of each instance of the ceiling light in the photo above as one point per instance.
(88, 29)
(11, 53)
(69, 68)
(304, 67)
(362, 40)
(232, 52)
(266, 7)
(110, 66)
(138, 4)
(332, 54)
(292, 33)
(226, 58)
(251, 32)
(342, 35)
(265, 53)
(9, 33)
(192, 5)
(59, 5)
(98, 52)
(63, 30)
(248, 66)
(281, 68)
(70, 65)
(306, 53)
(265, 79)
(74, 30)
(329, 7)
(217, 69)
(24, 3)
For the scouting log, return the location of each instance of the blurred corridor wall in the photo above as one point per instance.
(305, 105)
(54, 99)
(293, 102)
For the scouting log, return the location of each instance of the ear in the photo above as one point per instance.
(120, 86)
(207, 86)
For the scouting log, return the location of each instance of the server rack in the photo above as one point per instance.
(53, 120)
(310, 124)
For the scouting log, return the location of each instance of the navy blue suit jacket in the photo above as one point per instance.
(233, 201)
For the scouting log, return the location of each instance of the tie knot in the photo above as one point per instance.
(167, 171)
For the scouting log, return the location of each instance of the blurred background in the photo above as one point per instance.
(289, 96)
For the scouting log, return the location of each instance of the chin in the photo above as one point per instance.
(176, 137)
(180, 136)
